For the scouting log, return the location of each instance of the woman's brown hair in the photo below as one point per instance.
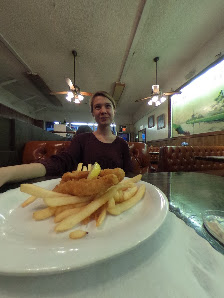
(104, 94)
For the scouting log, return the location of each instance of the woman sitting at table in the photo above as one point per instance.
(100, 146)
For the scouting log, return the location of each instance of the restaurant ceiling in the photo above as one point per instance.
(116, 41)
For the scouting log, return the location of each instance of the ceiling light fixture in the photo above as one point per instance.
(156, 94)
(74, 94)
(157, 97)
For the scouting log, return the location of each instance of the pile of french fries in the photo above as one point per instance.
(69, 211)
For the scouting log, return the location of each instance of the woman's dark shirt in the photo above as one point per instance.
(86, 148)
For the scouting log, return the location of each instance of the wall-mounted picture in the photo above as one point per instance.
(151, 121)
(161, 121)
(200, 106)
(142, 135)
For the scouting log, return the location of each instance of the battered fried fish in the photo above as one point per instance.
(84, 187)
(75, 175)
(117, 171)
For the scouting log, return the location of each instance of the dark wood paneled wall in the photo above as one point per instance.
(204, 139)
(15, 134)
(7, 112)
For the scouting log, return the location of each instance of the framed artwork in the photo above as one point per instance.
(151, 121)
(203, 112)
(161, 121)
(142, 135)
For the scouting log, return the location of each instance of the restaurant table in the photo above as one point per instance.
(181, 259)
(211, 158)
(189, 195)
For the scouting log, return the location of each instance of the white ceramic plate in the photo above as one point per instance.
(29, 247)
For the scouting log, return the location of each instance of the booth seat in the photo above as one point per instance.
(140, 157)
(35, 151)
(154, 157)
(182, 159)
(41, 150)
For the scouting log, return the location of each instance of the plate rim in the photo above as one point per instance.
(63, 268)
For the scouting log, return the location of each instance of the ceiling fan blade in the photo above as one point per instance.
(86, 93)
(69, 82)
(59, 92)
(171, 93)
(142, 99)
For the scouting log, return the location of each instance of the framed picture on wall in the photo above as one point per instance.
(151, 121)
(205, 112)
(142, 135)
(161, 121)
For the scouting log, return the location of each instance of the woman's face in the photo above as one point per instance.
(103, 110)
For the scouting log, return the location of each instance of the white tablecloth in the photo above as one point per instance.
(174, 262)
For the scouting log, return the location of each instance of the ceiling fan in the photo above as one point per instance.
(73, 94)
(157, 96)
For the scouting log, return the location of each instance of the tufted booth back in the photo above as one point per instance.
(40, 150)
(181, 158)
(153, 157)
(140, 157)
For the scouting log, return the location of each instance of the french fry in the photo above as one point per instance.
(69, 210)
(128, 193)
(101, 216)
(111, 203)
(73, 220)
(130, 185)
(60, 201)
(119, 208)
(86, 220)
(134, 179)
(116, 196)
(44, 213)
(40, 192)
(77, 234)
(66, 213)
(79, 167)
(28, 201)
(81, 204)
(119, 198)
(60, 209)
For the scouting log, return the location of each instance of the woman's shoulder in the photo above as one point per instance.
(121, 141)
(82, 137)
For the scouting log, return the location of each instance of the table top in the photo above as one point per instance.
(196, 259)
(189, 195)
(166, 265)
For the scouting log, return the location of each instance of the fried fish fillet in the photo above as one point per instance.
(75, 175)
(117, 171)
(84, 187)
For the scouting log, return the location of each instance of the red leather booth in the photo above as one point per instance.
(40, 150)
